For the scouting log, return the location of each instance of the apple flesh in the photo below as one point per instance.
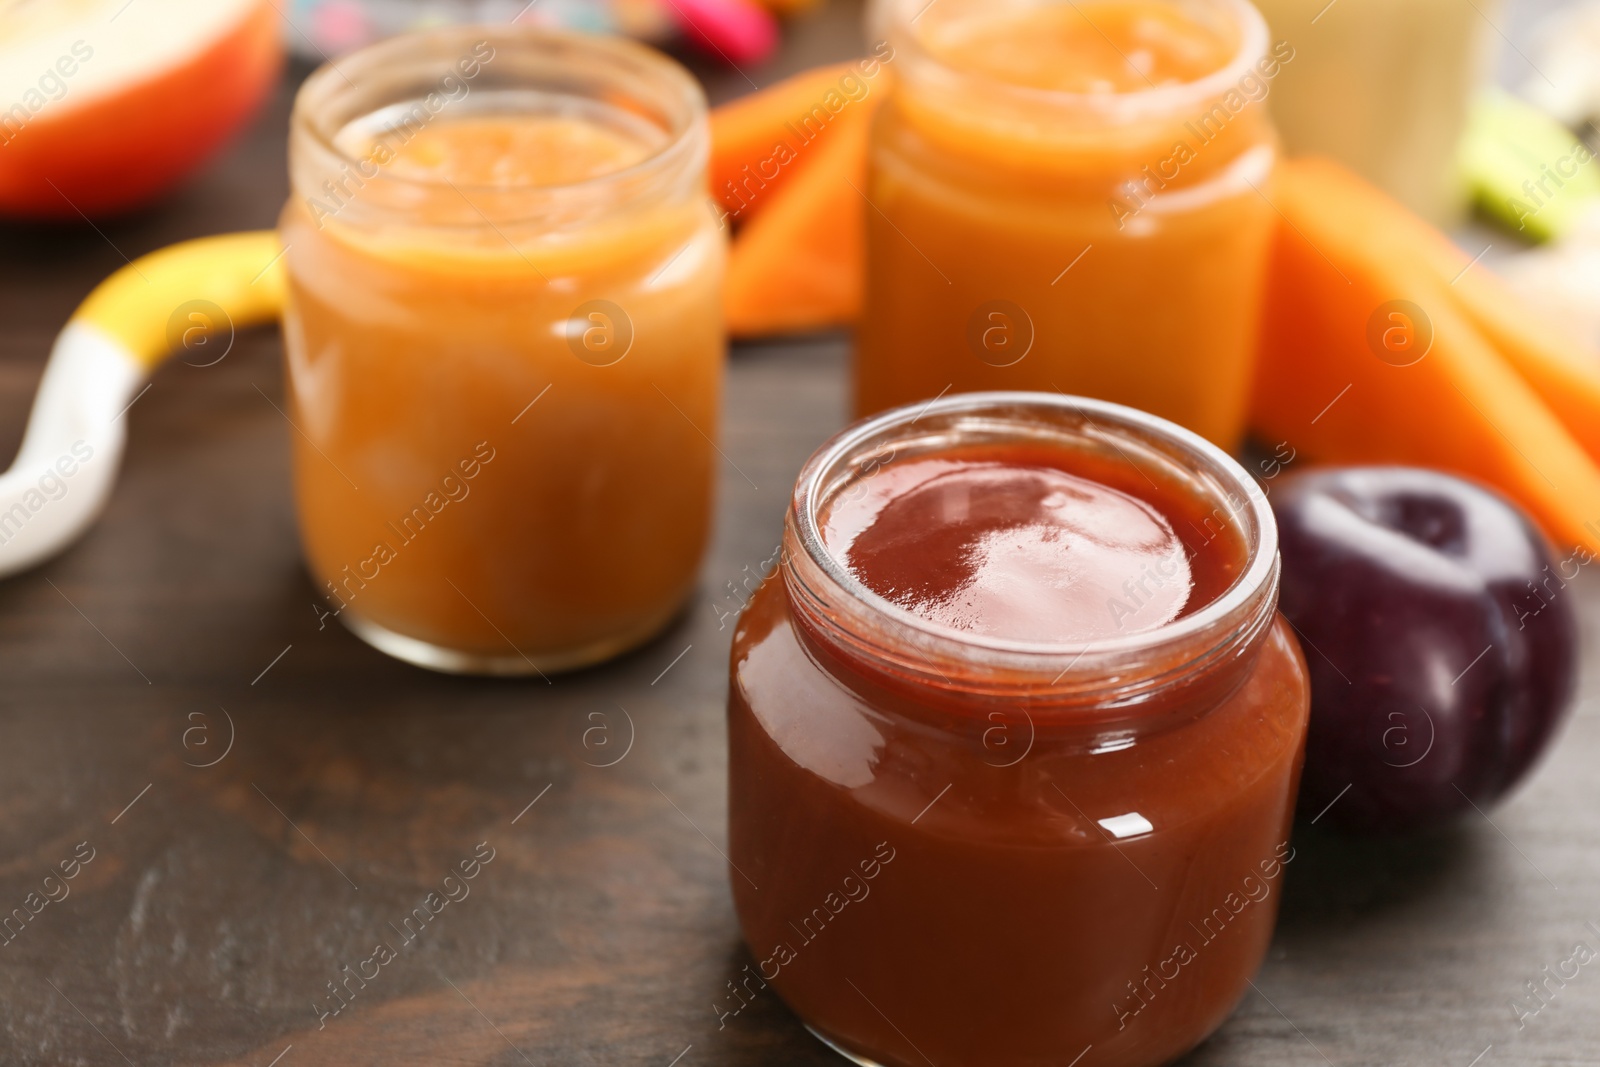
(107, 104)
(1440, 636)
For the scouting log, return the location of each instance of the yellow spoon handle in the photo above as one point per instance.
(71, 450)
(240, 273)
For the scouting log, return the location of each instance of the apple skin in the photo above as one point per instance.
(124, 149)
(1441, 641)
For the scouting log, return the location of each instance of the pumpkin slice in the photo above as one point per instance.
(1561, 370)
(799, 265)
(1348, 374)
(759, 142)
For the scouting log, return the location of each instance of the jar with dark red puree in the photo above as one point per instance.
(1014, 739)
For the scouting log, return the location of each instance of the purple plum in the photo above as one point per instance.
(1441, 638)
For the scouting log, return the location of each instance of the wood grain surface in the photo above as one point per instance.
(266, 799)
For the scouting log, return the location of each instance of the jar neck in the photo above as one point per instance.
(1089, 139)
(401, 86)
(1158, 677)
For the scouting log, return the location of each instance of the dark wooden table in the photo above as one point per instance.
(265, 798)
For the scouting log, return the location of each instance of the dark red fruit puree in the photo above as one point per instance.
(1015, 734)
(1009, 542)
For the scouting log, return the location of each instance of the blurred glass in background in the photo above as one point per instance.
(1383, 86)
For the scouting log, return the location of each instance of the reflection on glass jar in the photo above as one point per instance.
(1070, 197)
(1014, 738)
(504, 344)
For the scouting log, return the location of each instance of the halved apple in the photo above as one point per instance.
(106, 104)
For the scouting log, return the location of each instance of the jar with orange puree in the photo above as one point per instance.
(504, 344)
(1014, 735)
(1071, 196)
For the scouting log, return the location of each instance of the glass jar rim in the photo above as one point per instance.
(1230, 619)
(335, 78)
(1254, 37)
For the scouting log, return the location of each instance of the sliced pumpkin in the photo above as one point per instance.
(799, 265)
(1564, 374)
(757, 140)
(1347, 375)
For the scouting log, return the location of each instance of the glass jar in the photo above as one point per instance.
(1070, 197)
(958, 848)
(504, 344)
(1383, 87)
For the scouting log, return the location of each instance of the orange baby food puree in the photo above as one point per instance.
(1070, 197)
(515, 149)
(504, 366)
(1085, 48)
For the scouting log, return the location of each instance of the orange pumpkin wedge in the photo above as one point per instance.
(759, 141)
(1560, 370)
(799, 265)
(1345, 375)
